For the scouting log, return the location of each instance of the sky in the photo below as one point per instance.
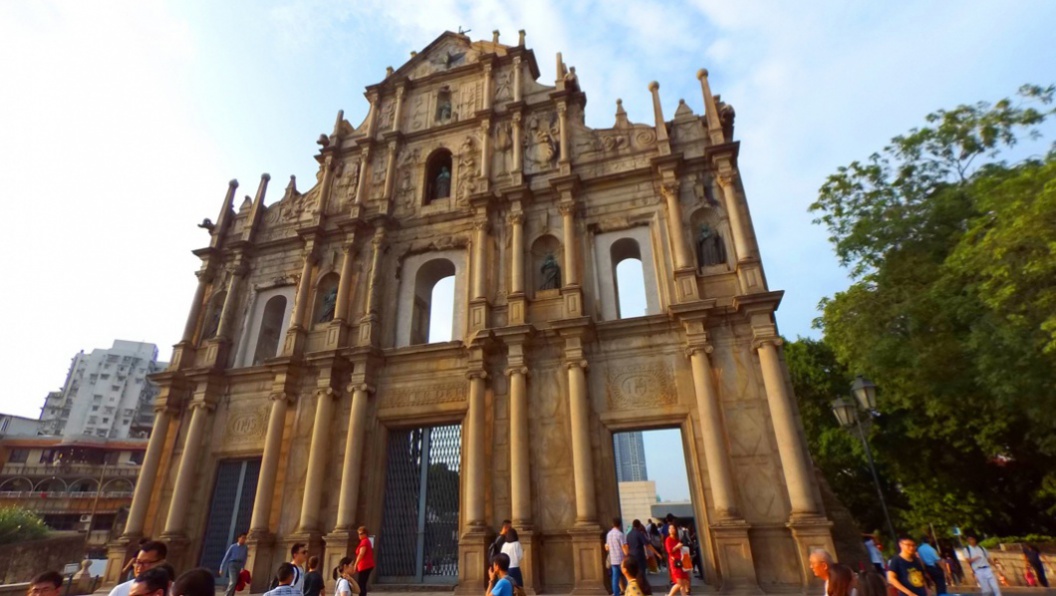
(122, 122)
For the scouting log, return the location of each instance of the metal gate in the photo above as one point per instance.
(230, 508)
(418, 541)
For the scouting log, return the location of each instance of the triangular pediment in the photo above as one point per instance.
(447, 52)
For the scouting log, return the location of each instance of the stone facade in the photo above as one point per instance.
(304, 344)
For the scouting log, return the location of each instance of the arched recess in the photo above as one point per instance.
(83, 485)
(18, 485)
(260, 341)
(211, 322)
(418, 276)
(712, 252)
(438, 168)
(325, 299)
(118, 485)
(610, 248)
(51, 485)
(543, 247)
(628, 278)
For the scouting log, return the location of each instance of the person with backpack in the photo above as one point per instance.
(982, 566)
(499, 583)
(285, 577)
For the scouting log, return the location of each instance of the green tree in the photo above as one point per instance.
(18, 524)
(953, 256)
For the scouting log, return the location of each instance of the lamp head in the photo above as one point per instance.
(845, 412)
(864, 391)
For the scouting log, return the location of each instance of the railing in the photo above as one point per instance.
(86, 470)
(36, 494)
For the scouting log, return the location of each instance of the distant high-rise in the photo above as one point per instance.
(106, 394)
(630, 457)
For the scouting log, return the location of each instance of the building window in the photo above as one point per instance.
(95, 408)
(626, 275)
(270, 330)
(438, 176)
(434, 290)
(18, 456)
(136, 457)
(629, 276)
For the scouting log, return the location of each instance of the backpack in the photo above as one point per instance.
(517, 589)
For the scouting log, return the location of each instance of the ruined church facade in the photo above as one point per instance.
(305, 398)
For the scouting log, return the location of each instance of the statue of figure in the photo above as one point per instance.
(443, 108)
(329, 303)
(710, 248)
(213, 323)
(443, 183)
(551, 273)
(571, 80)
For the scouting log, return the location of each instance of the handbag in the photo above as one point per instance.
(687, 561)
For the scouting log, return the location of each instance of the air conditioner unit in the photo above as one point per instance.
(87, 517)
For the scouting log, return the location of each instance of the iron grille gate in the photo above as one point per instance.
(230, 507)
(419, 529)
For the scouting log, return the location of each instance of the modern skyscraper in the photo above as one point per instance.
(630, 457)
(106, 394)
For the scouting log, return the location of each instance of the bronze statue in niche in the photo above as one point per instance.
(326, 313)
(551, 273)
(711, 250)
(442, 184)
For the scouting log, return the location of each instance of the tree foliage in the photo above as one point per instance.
(18, 524)
(953, 313)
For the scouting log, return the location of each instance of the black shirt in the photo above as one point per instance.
(313, 583)
(910, 574)
(636, 542)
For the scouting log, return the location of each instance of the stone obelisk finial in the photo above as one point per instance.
(711, 108)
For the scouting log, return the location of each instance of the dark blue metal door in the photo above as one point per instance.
(230, 508)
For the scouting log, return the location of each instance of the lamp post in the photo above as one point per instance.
(846, 411)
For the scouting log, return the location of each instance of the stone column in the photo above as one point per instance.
(148, 473)
(361, 183)
(344, 285)
(712, 431)
(568, 225)
(353, 464)
(683, 260)
(258, 525)
(204, 277)
(184, 490)
(520, 478)
(582, 456)
(485, 153)
(390, 170)
(517, 78)
(317, 456)
(562, 118)
(517, 249)
(487, 87)
(295, 335)
(399, 108)
(517, 149)
(480, 235)
(475, 464)
(789, 442)
(727, 181)
(230, 302)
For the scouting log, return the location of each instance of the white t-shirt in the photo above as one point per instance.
(982, 562)
(514, 551)
(298, 579)
(122, 589)
(343, 587)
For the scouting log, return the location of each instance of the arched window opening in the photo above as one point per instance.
(438, 176)
(270, 330)
(547, 261)
(326, 299)
(212, 315)
(629, 277)
(434, 306)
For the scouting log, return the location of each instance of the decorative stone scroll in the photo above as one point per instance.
(430, 395)
(641, 385)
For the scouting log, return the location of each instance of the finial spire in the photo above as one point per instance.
(621, 115)
(711, 108)
(662, 142)
(520, 38)
(495, 36)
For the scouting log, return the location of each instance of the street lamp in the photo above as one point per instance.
(846, 412)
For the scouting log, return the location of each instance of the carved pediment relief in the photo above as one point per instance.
(449, 51)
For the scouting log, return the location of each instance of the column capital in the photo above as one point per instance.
(238, 268)
(562, 108)
(201, 405)
(205, 274)
(515, 219)
(322, 392)
(567, 208)
(165, 408)
(480, 225)
(761, 340)
(476, 374)
(669, 189)
(363, 387)
(704, 347)
(516, 370)
(281, 396)
(379, 237)
(727, 177)
(517, 115)
(576, 363)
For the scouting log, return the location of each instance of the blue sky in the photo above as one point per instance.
(123, 121)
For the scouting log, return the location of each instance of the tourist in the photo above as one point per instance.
(233, 562)
(285, 575)
(640, 549)
(657, 540)
(978, 558)
(152, 582)
(196, 582)
(512, 549)
(616, 546)
(954, 570)
(905, 572)
(679, 575)
(820, 564)
(871, 583)
(1033, 557)
(632, 573)
(343, 576)
(313, 580)
(875, 556)
(932, 565)
(364, 560)
(127, 572)
(46, 584)
(498, 583)
(151, 554)
(841, 581)
(496, 546)
(298, 556)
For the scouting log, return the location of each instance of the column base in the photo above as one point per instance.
(182, 356)
(588, 575)
(810, 532)
(261, 560)
(179, 547)
(530, 543)
(339, 543)
(517, 308)
(295, 340)
(336, 334)
(733, 552)
(369, 330)
(216, 352)
(750, 274)
(478, 314)
(117, 554)
(686, 288)
(573, 301)
(472, 561)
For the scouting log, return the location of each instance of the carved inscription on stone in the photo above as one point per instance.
(246, 424)
(641, 385)
(428, 395)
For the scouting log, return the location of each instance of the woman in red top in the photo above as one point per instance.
(364, 560)
(674, 558)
